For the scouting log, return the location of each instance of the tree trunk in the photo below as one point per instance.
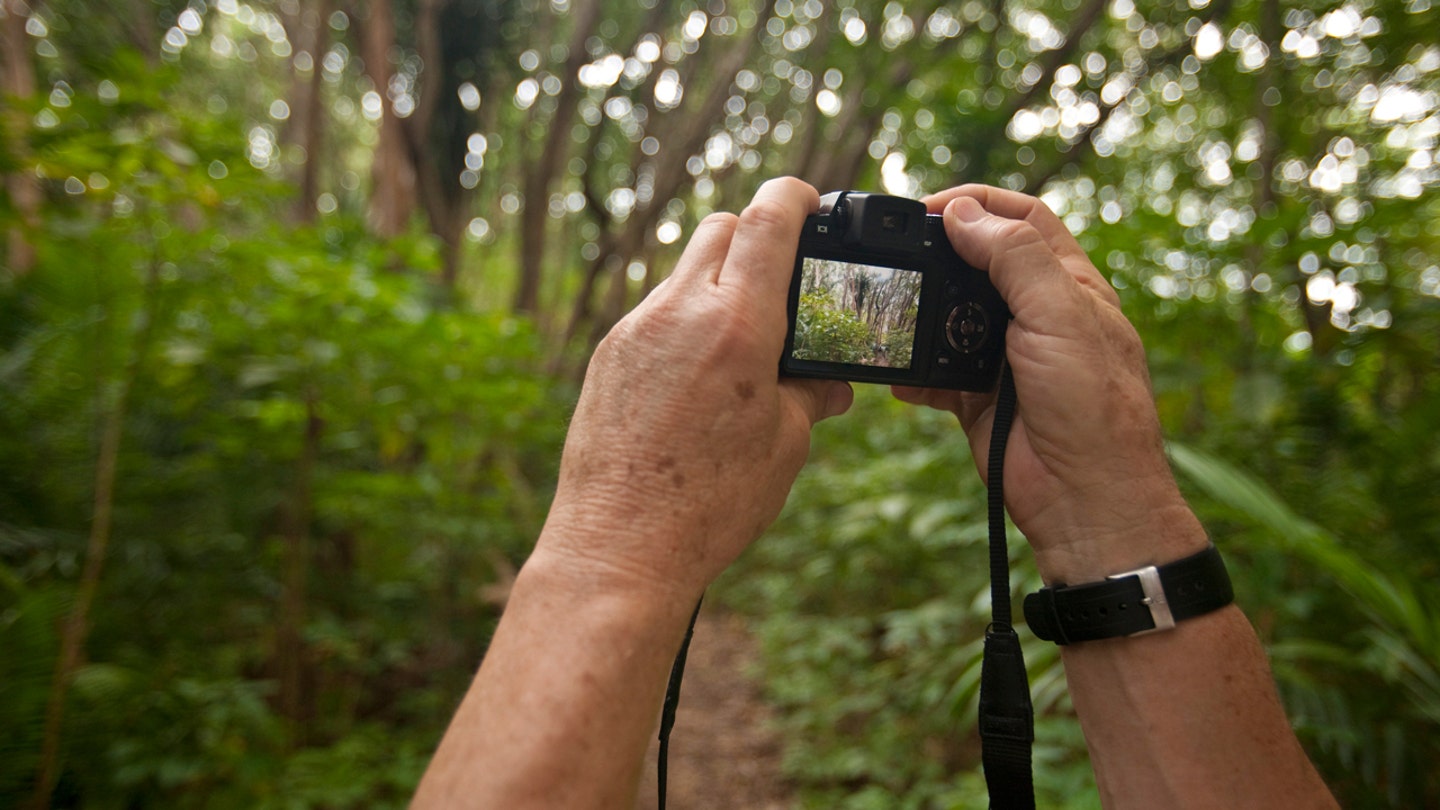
(689, 127)
(309, 30)
(393, 196)
(550, 163)
(143, 31)
(77, 624)
(445, 202)
(416, 163)
(837, 167)
(290, 648)
(808, 133)
(17, 81)
(1271, 30)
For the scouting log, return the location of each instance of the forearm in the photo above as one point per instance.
(561, 712)
(1189, 718)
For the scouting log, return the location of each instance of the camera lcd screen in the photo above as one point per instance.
(854, 313)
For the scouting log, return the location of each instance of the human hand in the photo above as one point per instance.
(685, 442)
(1087, 481)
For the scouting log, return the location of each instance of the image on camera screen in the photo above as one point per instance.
(856, 313)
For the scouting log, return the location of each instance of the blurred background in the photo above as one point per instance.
(296, 294)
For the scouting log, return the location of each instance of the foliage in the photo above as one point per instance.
(871, 597)
(829, 333)
(1389, 638)
(337, 442)
(271, 371)
(899, 345)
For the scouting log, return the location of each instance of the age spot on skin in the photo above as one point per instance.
(745, 390)
(667, 464)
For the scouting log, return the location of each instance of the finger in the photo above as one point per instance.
(704, 254)
(1024, 269)
(1012, 205)
(965, 405)
(819, 399)
(1015, 205)
(762, 254)
(937, 398)
(1012, 251)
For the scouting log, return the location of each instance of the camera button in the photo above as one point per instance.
(967, 328)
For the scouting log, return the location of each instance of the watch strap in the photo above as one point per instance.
(1131, 603)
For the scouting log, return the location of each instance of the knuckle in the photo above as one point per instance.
(720, 220)
(792, 186)
(1108, 294)
(766, 214)
(1124, 340)
(1016, 234)
(611, 345)
(636, 328)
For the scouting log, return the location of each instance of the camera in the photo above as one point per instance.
(878, 295)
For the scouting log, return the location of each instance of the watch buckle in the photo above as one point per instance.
(1154, 599)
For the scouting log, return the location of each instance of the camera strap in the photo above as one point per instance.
(672, 700)
(1007, 719)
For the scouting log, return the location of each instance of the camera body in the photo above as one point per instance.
(878, 295)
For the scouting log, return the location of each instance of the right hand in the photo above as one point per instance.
(1086, 479)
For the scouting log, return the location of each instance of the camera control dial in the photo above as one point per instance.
(967, 328)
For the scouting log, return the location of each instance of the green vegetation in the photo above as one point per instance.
(899, 344)
(295, 293)
(876, 596)
(827, 333)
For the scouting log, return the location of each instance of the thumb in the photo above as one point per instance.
(820, 399)
(998, 245)
(1034, 282)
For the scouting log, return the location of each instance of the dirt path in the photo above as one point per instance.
(722, 752)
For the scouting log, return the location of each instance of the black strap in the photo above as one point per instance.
(1007, 723)
(1007, 719)
(1120, 606)
(672, 700)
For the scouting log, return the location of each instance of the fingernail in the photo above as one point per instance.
(966, 209)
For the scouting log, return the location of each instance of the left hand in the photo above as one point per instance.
(685, 442)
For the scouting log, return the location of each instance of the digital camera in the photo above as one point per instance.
(879, 296)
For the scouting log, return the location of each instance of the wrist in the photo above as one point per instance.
(606, 609)
(1093, 549)
(585, 557)
(1154, 598)
(653, 541)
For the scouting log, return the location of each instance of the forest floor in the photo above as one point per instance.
(724, 752)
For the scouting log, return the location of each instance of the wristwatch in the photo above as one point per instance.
(1133, 603)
